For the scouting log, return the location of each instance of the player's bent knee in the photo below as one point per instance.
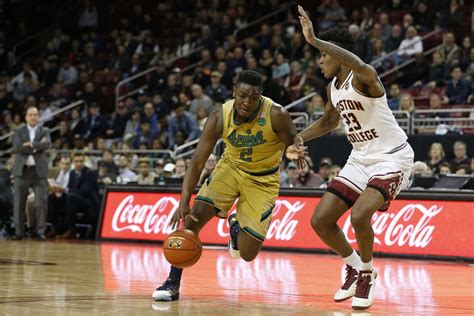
(320, 224)
(360, 219)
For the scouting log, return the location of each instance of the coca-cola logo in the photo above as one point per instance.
(401, 227)
(283, 224)
(144, 218)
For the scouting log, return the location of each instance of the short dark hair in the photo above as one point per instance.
(78, 154)
(251, 78)
(340, 37)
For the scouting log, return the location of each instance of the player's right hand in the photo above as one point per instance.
(180, 215)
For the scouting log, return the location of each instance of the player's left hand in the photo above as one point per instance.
(306, 24)
(297, 152)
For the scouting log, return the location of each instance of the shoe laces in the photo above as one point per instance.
(169, 284)
(351, 277)
(363, 284)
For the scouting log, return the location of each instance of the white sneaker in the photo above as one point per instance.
(234, 253)
(348, 289)
(365, 290)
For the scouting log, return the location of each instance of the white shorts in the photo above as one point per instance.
(388, 175)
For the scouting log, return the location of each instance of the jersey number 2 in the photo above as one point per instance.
(351, 121)
(246, 154)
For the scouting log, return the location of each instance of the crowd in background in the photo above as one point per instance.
(86, 64)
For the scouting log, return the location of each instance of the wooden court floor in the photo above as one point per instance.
(61, 278)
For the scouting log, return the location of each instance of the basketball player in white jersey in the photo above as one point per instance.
(377, 168)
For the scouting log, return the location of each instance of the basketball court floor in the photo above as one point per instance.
(77, 278)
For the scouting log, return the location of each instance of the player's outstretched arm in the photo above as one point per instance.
(364, 73)
(325, 124)
(285, 129)
(210, 135)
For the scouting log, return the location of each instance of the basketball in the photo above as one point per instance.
(182, 248)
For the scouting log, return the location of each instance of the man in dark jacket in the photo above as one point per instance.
(82, 195)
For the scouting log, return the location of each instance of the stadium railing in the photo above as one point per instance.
(450, 120)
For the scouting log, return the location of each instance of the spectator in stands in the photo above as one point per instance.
(88, 19)
(325, 170)
(208, 168)
(386, 26)
(395, 39)
(307, 178)
(424, 17)
(76, 123)
(144, 135)
(184, 122)
(56, 96)
(331, 11)
(119, 122)
(450, 51)
(458, 89)
(416, 73)
(460, 155)
(406, 103)
(82, 196)
(89, 94)
(362, 46)
(465, 50)
(436, 155)
(108, 161)
(295, 80)
(216, 91)
(469, 66)
(150, 116)
(437, 73)
(291, 173)
(454, 17)
(200, 100)
(67, 73)
(281, 69)
(419, 168)
(145, 175)
(125, 174)
(57, 196)
(367, 22)
(132, 126)
(395, 97)
(435, 104)
(168, 170)
(315, 104)
(64, 134)
(96, 123)
(201, 117)
(379, 53)
(335, 169)
(463, 170)
(407, 21)
(24, 88)
(445, 168)
(180, 168)
(411, 45)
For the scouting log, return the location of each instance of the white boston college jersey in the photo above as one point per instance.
(370, 125)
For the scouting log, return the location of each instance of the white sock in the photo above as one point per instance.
(367, 266)
(353, 260)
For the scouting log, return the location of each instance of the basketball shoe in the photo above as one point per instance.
(348, 289)
(233, 249)
(365, 289)
(169, 291)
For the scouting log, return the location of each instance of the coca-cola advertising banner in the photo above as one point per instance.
(417, 227)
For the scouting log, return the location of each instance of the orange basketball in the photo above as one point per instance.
(182, 248)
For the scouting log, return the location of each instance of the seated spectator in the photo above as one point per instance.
(416, 73)
(335, 169)
(76, 123)
(125, 174)
(436, 155)
(106, 176)
(325, 169)
(437, 72)
(180, 168)
(362, 46)
(108, 161)
(208, 168)
(150, 116)
(450, 51)
(458, 88)
(287, 174)
(445, 168)
(419, 168)
(119, 122)
(82, 196)
(394, 100)
(168, 170)
(307, 178)
(183, 122)
(435, 118)
(145, 175)
(96, 123)
(332, 12)
(216, 91)
(406, 103)
(410, 46)
(395, 39)
(463, 170)
(460, 155)
(200, 100)
(144, 135)
(57, 197)
(295, 81)
(281, 69)
(67, 73)
(315, 104)
(132, 126)
(469, 66)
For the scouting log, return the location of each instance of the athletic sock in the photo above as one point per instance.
(234, 233)
(175, 274)
(353, 260)
(367, 266)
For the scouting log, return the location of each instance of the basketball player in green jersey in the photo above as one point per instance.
(256, 132)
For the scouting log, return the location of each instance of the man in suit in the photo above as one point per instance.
(82, 195)
(30, 169)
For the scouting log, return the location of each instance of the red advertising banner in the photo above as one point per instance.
(418, 227)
